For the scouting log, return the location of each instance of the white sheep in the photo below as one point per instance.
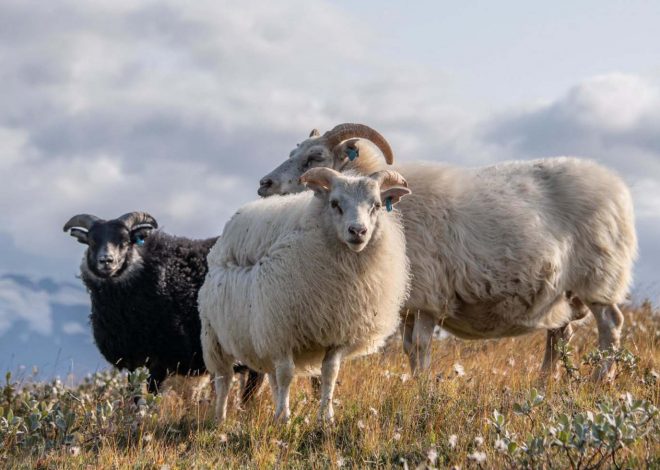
(300, 282)
(500, 250)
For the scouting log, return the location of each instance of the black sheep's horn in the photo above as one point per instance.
(134, 220)
(83, 221)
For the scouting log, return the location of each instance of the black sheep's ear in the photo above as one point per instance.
(140, 233)
(80, 234)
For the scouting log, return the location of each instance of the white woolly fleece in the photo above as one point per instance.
(280, 282)
(493, 249)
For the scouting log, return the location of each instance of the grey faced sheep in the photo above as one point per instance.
(301, 282)
(500, 250)
(143, 285)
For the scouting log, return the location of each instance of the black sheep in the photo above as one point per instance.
(143, 285)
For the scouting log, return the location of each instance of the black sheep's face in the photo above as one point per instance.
(113, 249)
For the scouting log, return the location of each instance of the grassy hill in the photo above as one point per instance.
(482, 406)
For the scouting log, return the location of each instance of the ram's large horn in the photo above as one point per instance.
(388, 178)
(134, 220)
(84, 221)
(347, 130)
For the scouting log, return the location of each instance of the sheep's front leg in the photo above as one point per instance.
(329, 372)
(610, 322)
(422, 335)
(222, 386)
(219, 364)
(284, 371)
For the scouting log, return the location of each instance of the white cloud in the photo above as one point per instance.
(73, 328)
(25, 300)
(610, 103)
(19, 303)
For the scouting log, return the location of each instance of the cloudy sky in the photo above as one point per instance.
(178, 108)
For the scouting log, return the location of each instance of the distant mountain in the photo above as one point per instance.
(45, 323)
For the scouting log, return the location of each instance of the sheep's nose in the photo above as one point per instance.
(106, 259)
(357, 230)
(264, 185)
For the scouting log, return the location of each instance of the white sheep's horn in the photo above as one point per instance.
(81, 221)
(388, 178)
(348, 130)
(134, 220)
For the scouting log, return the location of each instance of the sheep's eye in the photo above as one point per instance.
(376, 206)
(335, 205)
(315, 157)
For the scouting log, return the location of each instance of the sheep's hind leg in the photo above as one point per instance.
(549, 366)
(419, 353)
(406, 328)
(155, 380)
(251, 385)
(578, 311)
(609, 320)
(329, 372)
(284, 371)
(315, 383)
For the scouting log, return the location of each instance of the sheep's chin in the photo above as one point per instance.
(356, 247)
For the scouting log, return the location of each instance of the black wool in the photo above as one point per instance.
(149, 316)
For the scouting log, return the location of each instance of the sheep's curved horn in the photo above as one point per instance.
(134, 220)
(347, 130)
(388, 178)
(84, 221)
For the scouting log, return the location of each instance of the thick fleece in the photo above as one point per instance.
(281, 283)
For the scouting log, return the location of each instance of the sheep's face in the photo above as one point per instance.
(354, 207)
(311, 153)
(113, 247)
(335, 149)
(285, 179)
(110, 249)
(353, 204)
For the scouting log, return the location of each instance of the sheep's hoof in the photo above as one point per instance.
(326, 417)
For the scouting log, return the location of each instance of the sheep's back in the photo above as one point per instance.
(525, 229)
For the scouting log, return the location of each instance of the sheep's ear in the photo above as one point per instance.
(79, 234)
(394, 194)
(347, 151)
(140, 233)
(314, 133)
(319, 179)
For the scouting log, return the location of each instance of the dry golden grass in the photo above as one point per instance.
(384, 418)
